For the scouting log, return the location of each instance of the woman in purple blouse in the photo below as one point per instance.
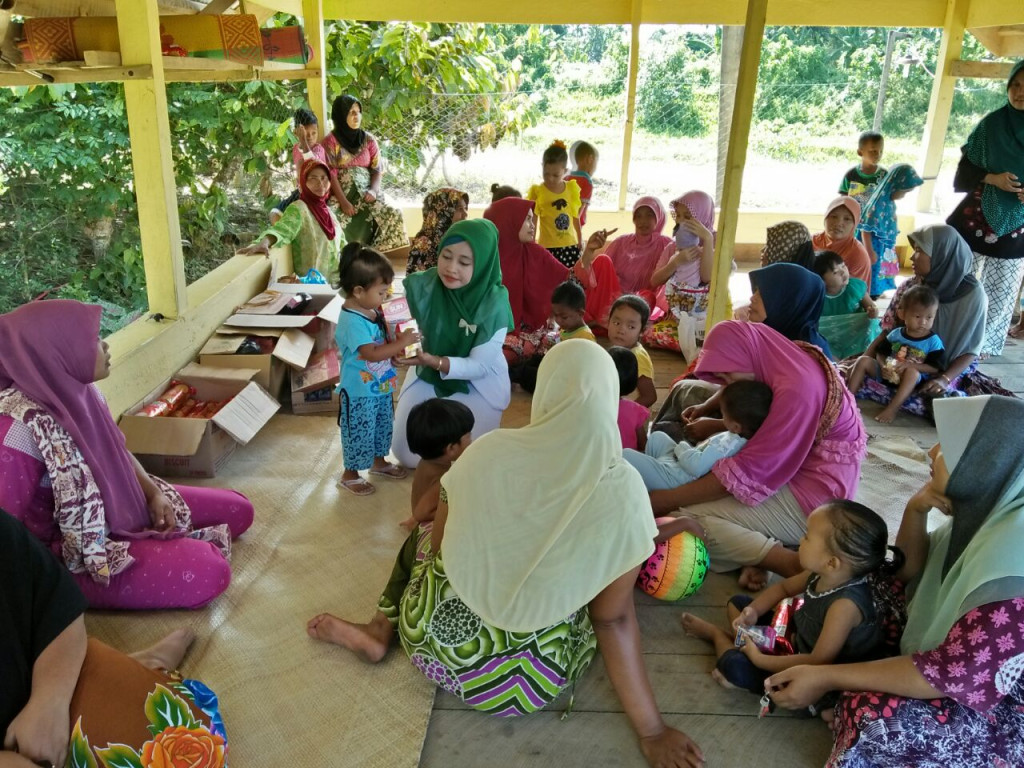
(956, 697)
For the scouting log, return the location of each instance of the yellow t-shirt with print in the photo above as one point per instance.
(555, 213)
(583, 332)
(643, 362)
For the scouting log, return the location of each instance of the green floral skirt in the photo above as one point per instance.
(493, 670)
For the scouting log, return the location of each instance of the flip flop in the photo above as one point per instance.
(393, 472)
(357, 486)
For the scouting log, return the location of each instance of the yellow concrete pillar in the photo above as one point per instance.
(627, 129)
(316, 88)
(138, 27)
(942, 98)
(736, 158)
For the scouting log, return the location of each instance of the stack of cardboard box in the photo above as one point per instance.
(303, 347)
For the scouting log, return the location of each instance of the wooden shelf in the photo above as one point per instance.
(69, 73)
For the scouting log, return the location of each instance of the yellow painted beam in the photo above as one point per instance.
(138, 27)
(906, 13)
(316, 87)
(995, 13)
(941, 103)
(627, 126)
(736, 158)
(147, 352)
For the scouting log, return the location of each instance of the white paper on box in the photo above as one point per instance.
(247, 412)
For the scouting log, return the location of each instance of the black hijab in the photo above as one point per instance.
(351, 140)
(793, 298)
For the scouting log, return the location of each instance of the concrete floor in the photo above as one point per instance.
(724, 723)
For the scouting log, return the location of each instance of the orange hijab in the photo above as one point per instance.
(855, 256)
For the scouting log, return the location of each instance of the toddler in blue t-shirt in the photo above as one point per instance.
(368, 378)
(906, 354)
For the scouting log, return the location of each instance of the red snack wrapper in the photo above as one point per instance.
(185, 408)
(197, 410)
(782, 623)
(172, 397)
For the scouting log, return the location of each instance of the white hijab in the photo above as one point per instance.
(541, 519)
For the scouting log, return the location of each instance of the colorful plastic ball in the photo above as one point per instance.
(676, 569)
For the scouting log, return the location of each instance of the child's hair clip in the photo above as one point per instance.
(558, 143)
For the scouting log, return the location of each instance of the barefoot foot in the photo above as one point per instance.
(885, 417)
(719, 678)
(168, 652)
(409, 524)
(753, 578)
(697, 627)
(358, 638)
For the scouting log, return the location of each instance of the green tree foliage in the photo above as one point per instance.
(70, 222)
(677, 90)
(428, 88)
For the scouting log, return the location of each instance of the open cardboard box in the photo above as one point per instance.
(297, 335)
(185, 447)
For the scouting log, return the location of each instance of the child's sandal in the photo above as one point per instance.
(393, 472)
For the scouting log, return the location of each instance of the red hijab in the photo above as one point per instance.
(317, 205)
(49, 353)
(528, 270)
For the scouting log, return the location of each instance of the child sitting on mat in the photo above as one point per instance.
(438, 431)
(843, 617)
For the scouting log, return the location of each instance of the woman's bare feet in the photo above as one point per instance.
(1017, 331)
(753, 578)
(168, 652)
(368, 641)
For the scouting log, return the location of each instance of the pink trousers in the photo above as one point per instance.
(176, 573)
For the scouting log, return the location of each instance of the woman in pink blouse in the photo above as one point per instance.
(956, 697)
(634, 258)
(355, 155)
(752, 508)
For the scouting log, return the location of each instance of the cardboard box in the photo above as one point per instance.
(324, 370)
(298, 337)
(199, 447)
(324, 400)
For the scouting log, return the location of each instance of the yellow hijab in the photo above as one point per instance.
(541, 519)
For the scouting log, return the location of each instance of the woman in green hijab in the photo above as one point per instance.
(991, 216)
(955, 698)
(463, 313)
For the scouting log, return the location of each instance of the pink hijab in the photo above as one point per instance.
(855, 256)
(702, 207)
(636, 256)
(49, 354)
(785, 449)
